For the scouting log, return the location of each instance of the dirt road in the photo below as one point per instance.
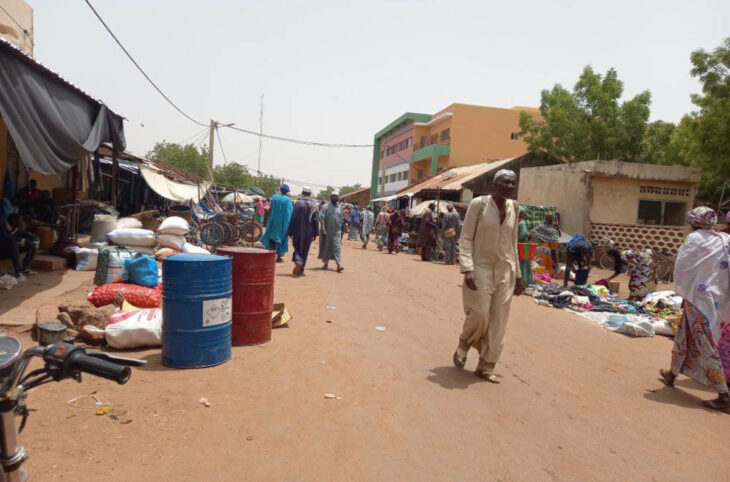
(576, 402)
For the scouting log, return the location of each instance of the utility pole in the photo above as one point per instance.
(261, 128)
(211, 143)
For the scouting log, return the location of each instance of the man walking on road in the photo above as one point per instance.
(330, 230)
(303, 228)
(450, 230)
(354, 223)
(489, 260)
(277, 227)
(368, 219)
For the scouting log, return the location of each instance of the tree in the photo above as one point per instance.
(326, 192)
(348, 189)
(703, 137)
(186, 157)
(233, 175)
(588, 123)
(659, 147)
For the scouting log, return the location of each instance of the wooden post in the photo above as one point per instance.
(211, 143)
(74, 181)
(115, 169)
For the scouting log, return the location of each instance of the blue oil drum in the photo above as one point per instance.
(196, 310)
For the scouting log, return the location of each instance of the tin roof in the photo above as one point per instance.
(453, 179)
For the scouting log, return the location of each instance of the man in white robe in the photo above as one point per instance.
(489, 260)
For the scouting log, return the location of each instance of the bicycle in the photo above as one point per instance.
(61, 361)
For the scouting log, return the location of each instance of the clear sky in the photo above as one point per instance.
(338, 71)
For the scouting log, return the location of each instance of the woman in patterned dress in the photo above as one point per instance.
(702, 278)
(641, 269)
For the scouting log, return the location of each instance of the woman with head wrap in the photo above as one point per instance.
(522, 238)
(641, 269)
(579, 253)
(702, 278)
(381, 228)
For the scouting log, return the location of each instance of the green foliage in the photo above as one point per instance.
(236, 176)
(589, 122)
(703, 136)
(659, 147)
(186, 157)
(326, 192)
(348, 189)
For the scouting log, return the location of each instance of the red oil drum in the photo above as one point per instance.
(253, 293)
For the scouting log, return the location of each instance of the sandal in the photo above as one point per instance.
(667, 378)
(340, 269)
(459, 363)
(488, 376)
(714, 405)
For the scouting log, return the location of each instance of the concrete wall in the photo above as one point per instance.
(482, 134)
(21, 13)
(615, 200)
(564, 186)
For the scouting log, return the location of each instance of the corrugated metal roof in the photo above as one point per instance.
(453, 179)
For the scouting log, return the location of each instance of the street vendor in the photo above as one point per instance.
(641, 269)
(579, 254)
(547, 235)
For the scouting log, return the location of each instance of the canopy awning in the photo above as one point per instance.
(237, 198)
(53, 123)
(172, 190)
(390, 198)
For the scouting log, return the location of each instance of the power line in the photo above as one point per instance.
(138, 67)
(194, 136)
(22, 29)
(297, 141)
(260, 134)
(220, 143)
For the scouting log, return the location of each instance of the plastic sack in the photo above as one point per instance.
(134, 329)
(103, 224)
(129, 223)
(136, 295)
(141, 271)
(174, 225)
(102, 264)
(136, 237)
(86, 259)
(174, 241)
(191, 248)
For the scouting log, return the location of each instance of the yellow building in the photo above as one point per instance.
(417, 146)
(16, 24)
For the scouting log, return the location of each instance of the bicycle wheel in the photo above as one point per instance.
(663, 267)
(250, 231)
(606, 261)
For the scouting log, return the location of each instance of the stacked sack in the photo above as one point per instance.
(171, 238)
(130, 234)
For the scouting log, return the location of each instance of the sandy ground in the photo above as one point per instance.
(576, 402)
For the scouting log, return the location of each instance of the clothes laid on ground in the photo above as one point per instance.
(303, 227)
(488, 248)
(277, 227)
(450, 231)
(525, 264)
(642, 272)
(332, 221)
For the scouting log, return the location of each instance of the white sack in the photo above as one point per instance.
(135, 329)
(174, 225)
(132, 237)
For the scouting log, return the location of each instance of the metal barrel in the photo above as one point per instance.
(253, 293)
(196, 310)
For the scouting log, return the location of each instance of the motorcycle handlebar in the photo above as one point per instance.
(101, 368)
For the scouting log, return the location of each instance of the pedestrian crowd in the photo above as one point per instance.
(496, 251)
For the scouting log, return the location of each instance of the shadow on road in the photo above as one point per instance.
(452, 378)
(673, 396)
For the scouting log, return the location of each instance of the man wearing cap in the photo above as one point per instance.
(303, 228)
(277, 227)
(489, 260)
(330, 231)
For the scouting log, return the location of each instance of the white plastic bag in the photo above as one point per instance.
(8, 281)
(86, 259)
(174, 225)
(129, 223)
(116, 272)
(191, 248)
(174, 241)
(135, 329)
(132, 237)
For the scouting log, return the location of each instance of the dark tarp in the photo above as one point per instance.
(53, 124)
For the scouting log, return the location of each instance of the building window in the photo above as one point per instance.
(666, 191)
(434, 139)
(514, 136)
(392, 178)
(445, 134)
(423, 142)
(661, 212)
(409, 142)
